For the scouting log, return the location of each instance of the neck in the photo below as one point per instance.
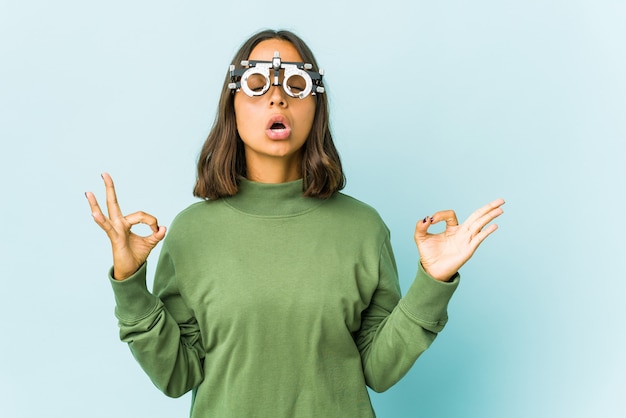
(274, 170)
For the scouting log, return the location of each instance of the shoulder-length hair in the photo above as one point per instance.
(222, 162)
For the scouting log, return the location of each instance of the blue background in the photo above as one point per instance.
(435, 105)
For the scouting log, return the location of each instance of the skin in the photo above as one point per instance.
(130, 250)
(272, 160)
(443, 254)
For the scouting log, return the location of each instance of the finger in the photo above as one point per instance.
(479, 213)
(449, 216)
(159, 234)
(113, 206)
(156, 236)
(478, 224)
(421, 228)
(143, 218)
(480, 237)
(97, 214)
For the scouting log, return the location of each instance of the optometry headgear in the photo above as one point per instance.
(254, 78)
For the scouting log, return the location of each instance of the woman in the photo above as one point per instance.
(278, 296)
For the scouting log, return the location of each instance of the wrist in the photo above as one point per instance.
(439, 275)
(121, 274)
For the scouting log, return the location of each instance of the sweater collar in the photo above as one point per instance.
(272, 200)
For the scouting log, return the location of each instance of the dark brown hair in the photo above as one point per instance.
(222, 161)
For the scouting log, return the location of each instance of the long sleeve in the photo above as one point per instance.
(395, 332)
(258, 301)
(160, 330)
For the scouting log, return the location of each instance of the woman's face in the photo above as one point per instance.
(274, 126)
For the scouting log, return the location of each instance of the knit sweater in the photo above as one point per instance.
(271, 304)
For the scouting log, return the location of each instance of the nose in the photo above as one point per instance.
(277, 96)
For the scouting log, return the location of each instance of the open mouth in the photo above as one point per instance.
(277, 126)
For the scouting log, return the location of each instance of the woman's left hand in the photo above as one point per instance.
(443, 254)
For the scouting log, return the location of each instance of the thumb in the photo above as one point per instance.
(421, 228)
(157, 236)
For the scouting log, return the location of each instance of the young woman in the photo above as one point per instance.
(277, 295)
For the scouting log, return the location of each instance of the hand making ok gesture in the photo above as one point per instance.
(130, 250)
(443, 254)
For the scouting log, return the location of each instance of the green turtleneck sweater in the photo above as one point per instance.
(271, 304)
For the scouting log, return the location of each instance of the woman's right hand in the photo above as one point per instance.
(130, 250)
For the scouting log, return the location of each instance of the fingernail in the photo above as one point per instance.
(432, 218)
(424, 221)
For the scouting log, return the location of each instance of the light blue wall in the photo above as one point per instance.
(435, 105)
